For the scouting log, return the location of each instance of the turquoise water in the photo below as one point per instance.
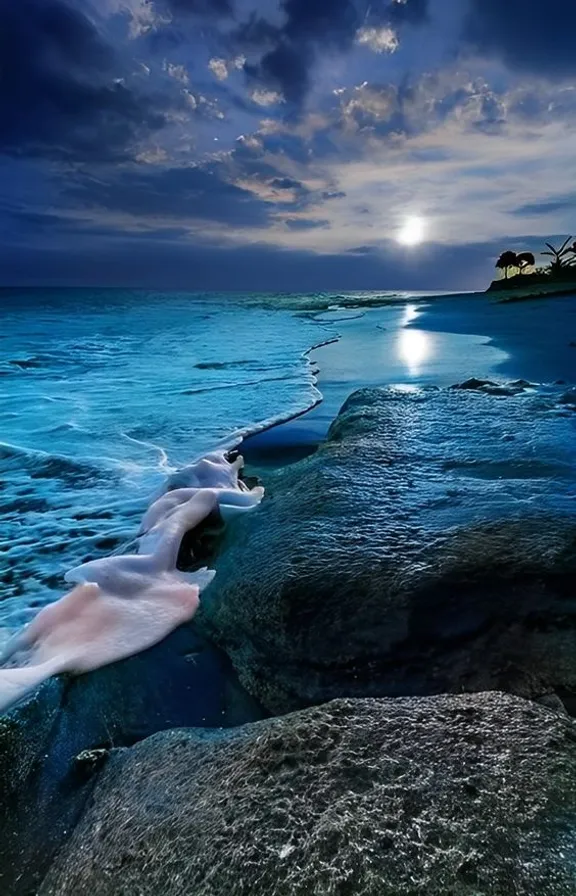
(103, 394)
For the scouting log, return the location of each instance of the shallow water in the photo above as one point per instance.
(387, 346)
(105, 393)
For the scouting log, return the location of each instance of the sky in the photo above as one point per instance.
(283, 145)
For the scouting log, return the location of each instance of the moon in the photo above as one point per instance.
(413, 232)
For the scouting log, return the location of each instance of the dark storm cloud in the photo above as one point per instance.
(315, 26)
(185, 193)
(529, 35)
(58, 93)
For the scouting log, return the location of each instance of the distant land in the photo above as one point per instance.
(522, 279)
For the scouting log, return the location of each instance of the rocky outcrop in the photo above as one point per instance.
(53, 746)
(428, 547)
(470, 794)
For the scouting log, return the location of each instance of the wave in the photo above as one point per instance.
(125, 604)
(65, 508)
(235, 439)
(221, 386)
(42, 465)
(225, 365)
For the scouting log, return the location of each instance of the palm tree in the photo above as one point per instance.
(560, 256)
(525, 260)
(507, 260)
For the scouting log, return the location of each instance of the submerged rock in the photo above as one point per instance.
(419, 551)
(470, 794)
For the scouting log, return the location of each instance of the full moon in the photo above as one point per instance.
(412, 232)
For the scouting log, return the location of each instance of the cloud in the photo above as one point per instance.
(351, 120)
(306, 223)
(188, 194)
(263, 97)
(368, 105)
(362, 250)
(547, 207)
(178, 72)
(380, 40)
(286, 183)
(196, 265)
(62, 91)
(218, 68)
(316, 27)
(534, 36)
(205, 8)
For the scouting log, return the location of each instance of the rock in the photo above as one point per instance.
(53, 745)
(470, 794)
(476, 384)
(415, 553)
(553, 702)
(89, 762)
(25, 740)
(569, 397)
(491, 388)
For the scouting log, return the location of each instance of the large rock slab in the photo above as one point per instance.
(429, 546)
(52, 745)
(472, 795)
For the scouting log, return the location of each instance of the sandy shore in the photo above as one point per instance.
(439, 342)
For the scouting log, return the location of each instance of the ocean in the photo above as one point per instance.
(106, 393)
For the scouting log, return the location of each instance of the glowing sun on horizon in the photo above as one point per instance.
(412, 232)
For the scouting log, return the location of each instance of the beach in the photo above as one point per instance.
(442, 341)
(404, 589)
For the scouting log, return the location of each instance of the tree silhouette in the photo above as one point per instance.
(525, 260)
(561, 259)
(506, 261)
(562, 268)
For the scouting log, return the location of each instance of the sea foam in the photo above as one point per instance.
(126, 603)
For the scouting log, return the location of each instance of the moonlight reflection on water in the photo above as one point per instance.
(414, 347)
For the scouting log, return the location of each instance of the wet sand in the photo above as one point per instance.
(439, 342)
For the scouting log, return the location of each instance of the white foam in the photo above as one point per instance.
(124, 604)
(230, 502)
(90, 628)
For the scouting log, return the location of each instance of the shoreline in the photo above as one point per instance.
(521, 295)
(482, 338)
(265, 427)
(424, 488)
(299, 435)
(250, 444)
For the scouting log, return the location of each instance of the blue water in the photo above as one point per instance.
(105, 393)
